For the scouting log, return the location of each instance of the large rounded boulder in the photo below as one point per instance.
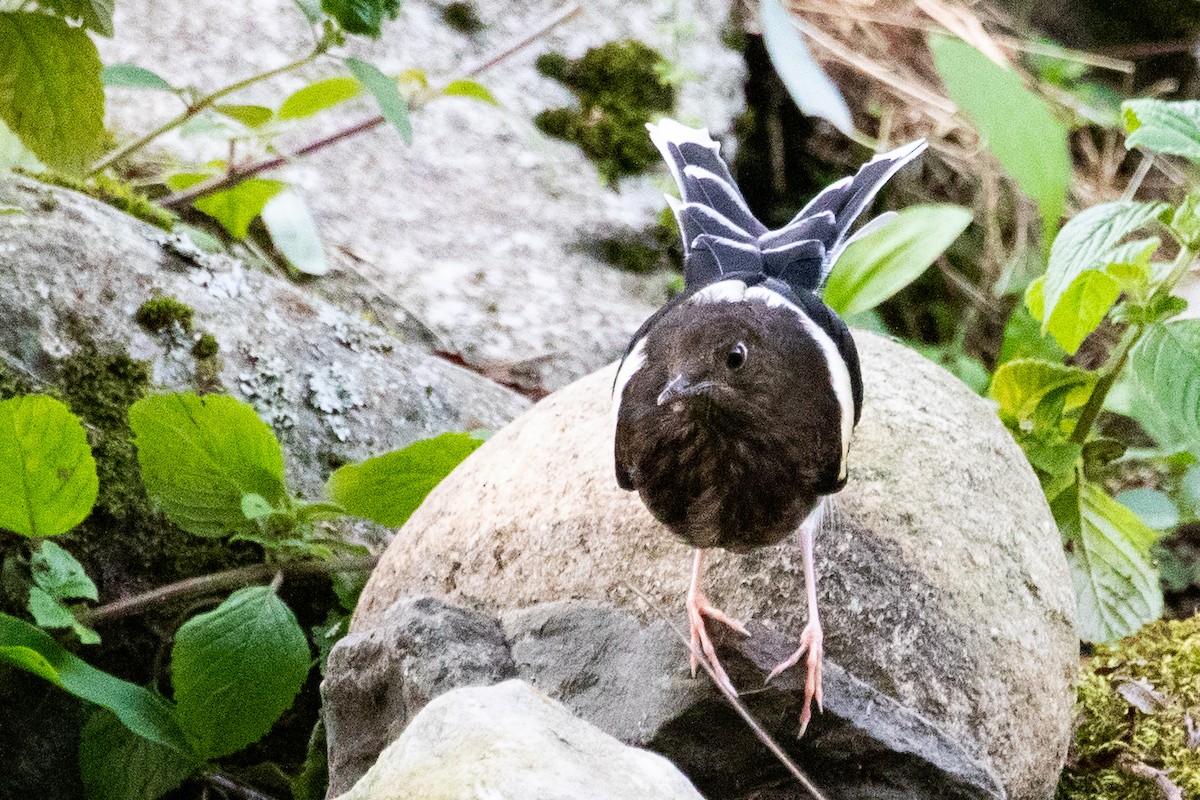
(942, 581)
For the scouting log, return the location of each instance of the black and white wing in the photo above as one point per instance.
(722, 237)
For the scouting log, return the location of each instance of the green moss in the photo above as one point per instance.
(620, 88)
(13, 383)
(160, 313)
(463, 18)
(645, 252)
(206, 346)
(1166, 656)
(116, 193)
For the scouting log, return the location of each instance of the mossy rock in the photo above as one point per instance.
(1138, 706)
(620, 87)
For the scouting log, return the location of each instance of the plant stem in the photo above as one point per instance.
(1116, 362)
(200, 105)
(1095, 403)
(237, 174)
(218, 583)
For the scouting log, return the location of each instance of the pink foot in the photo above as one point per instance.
(812, 642)
(698, 608)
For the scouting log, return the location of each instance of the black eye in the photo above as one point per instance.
(736, 357)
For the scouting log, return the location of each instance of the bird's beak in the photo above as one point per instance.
(680, 388)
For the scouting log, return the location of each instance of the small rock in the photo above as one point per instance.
(508, 742)
(376, 682)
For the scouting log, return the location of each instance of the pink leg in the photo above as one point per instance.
(698, 608)
(812, 639)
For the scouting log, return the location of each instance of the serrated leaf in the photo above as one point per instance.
(319, 96)
(472, 89)
(1089, 241)
(1108, 551)
(50, 92)
(140, 710)
(48, 481)
(236, 208)
(388, 488)
(364, 17)
(1035, 298)
(1081, 308)
(94, 14)
(1172, 128)
(57, 571)
(236, 669)
(810, 88)
(1164, 375)
(1020, 385)
(131, 76)
(1023, 338)
(249, 115)
(200, 456)
(1152, 507)
(386, 93)
(294, 232)
(880, 264)
(116, 764)
(1017, 125)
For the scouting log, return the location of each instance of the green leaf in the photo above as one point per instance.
(1152, 507)
(811, 89)
(94, 14)
(386, 93)
(1172, 128)
(294, 232)
(51, 613)
(131, 76)
(236, 669)
(1020, 385)
(250, 116)
(57, 571)
(1089, 241)
(116, 764)
(254, 506)
(1082, 308)
(1108, 552)
(1017, 125)
(364, 17)
(236, 208)
(1164, 373)
(319, 96)
(200, 456)
(50, 92)
(472, 89)
(1023, 338)
(48, 481)
(882, 263)
(14, 153)
(311, 9)
(388, 488)
(140, 710)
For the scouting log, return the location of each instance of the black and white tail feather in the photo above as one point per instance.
(722, 238)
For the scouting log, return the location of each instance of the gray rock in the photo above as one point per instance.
(376, 682)
(334, 387)
(943, 584)
(485, 229)
(507, 742)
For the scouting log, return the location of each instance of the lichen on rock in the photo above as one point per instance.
(1138, 706)
(620, 87)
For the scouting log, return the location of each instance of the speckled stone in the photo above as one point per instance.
(485, 232)
(334, 387)
(943, 584)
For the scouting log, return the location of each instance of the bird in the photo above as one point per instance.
(735, 402)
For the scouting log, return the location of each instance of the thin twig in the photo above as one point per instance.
(218, 583)
(1135, 182)
(233, 176)
(755, 726)
(236, 788)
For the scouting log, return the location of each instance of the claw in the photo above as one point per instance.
(812, 642)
